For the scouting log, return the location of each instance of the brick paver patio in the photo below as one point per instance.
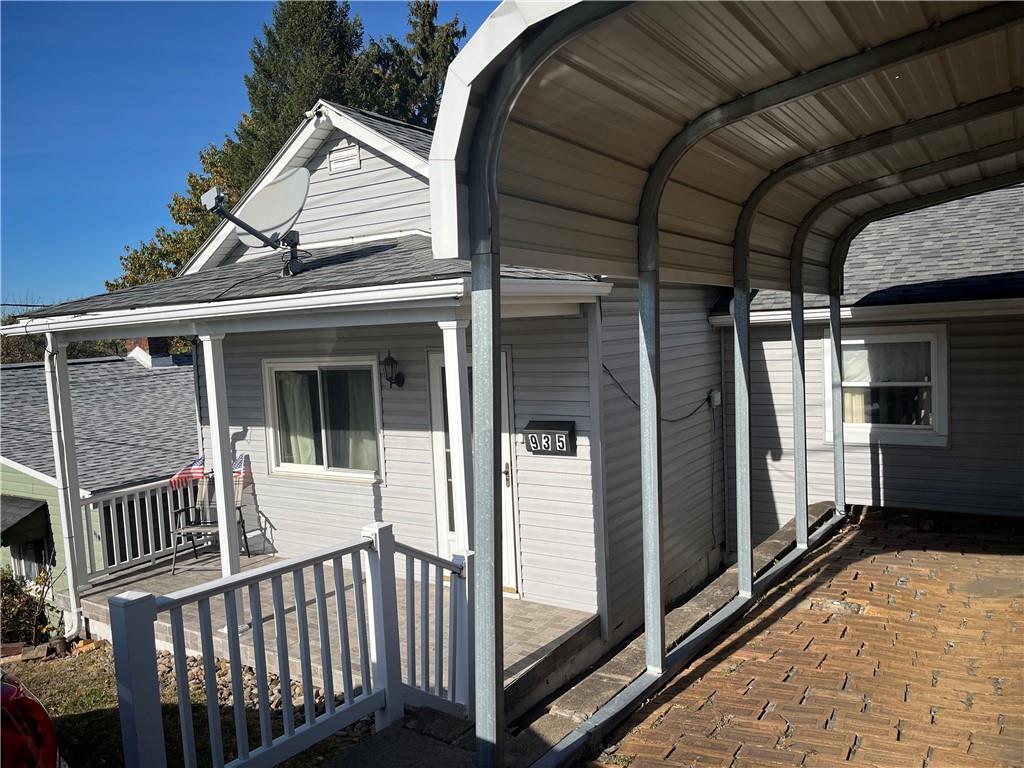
(891, 646)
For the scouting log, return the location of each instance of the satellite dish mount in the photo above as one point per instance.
(271, 212)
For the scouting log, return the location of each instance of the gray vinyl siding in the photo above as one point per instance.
(980, 471)
(379, 197)
(553, 496)
(692, 450)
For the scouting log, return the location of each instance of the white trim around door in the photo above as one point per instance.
(448, 526)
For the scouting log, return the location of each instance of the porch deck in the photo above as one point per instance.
(532, 630)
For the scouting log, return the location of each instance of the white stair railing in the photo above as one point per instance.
(358, 642)
(130, 526)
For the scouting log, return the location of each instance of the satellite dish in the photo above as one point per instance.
(274, 210)
(271, 214)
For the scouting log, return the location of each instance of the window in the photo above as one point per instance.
(894, 385)
(324, 416)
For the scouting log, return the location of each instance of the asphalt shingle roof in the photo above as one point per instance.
(411, 137)
(14, 509)
(382, 262)
(132, 424)
(968, 249)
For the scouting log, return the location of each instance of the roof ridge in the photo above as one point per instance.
(379, 116)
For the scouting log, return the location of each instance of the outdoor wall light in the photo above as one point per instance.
(389, 370)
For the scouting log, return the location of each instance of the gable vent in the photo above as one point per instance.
(345, 158)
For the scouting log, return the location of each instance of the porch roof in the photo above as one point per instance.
(391, 261)
(725, 142)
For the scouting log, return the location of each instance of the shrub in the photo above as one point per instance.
(23, 607)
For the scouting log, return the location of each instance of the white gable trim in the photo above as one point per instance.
(301, 146)
(35, 474)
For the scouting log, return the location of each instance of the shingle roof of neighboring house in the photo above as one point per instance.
(132, 424)
(967, 249)
(411, 137)
(381, 262)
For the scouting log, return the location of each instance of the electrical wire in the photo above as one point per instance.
(633, 400)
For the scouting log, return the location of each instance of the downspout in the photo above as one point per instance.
(66, 493)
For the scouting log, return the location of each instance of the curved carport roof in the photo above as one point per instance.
(734, 141)
(741, 144)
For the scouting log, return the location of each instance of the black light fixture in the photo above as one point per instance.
(389, 369)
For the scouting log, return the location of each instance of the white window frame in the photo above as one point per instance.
(937, 434)
(275, 467)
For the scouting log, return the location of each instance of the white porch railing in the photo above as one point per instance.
(131, 526)
(376, 687)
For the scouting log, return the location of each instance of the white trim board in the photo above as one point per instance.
(296, 151)
(895, 312)
(380, 300)
(35, 474)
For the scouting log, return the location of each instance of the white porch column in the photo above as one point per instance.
(65, 461)
(838, 457)
(741, 376)
(219, 457)
(456, 366)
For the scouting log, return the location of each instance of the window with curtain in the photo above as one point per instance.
(326, 417)
(895, 385)
(888, 382)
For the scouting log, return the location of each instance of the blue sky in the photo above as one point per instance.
(103, 109)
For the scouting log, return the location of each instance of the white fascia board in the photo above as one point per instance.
(205, 311)
(945, 310)
(35, 474)
(371, 138)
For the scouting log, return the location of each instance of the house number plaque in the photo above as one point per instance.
(551, 438)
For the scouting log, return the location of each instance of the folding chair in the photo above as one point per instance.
(200, 519)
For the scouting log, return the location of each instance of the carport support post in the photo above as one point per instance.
(796, 305)
(456, 384)
(487, 592)
(220, 443)
(650, 464)
(836, 346)
(741, 361)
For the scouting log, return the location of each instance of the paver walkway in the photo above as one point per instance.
(891, 646)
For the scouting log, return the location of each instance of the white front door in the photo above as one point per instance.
(446, 522)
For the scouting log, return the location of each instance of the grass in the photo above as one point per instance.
(80, 693)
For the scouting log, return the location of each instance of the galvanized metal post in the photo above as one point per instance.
(741, 387)
(487, 592)
(838, 457)
(796, 303)
(650, 464)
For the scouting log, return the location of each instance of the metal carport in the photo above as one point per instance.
(739, 145)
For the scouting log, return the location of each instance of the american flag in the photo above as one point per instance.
(195, 470)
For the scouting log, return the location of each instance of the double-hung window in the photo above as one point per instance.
(324, 416)
(894, 385)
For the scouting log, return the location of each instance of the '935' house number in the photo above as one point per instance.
(551, 438)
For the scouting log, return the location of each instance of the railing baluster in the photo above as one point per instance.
(452, 630)
(188, 733)
(260, 664)
(160, 507)
(210, 675)
(281, 628)
(151, 530)
(308, 703)
(438, 628)
(122, 546)
(425, 624)
(410, 618)
(326, 666)
(139, 536)
(364, 657)
(342, 607)
(231, 601)
(85, 509)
